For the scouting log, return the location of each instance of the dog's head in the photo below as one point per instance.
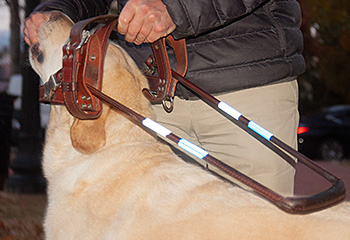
(46, 59)
(46, 56)
(122, 79)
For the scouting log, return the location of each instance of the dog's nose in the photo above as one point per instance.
(36, 53)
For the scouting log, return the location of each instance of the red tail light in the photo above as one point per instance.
(301, 130)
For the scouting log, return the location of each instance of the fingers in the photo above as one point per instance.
(143, 34)
(145, 21)
(130, 23)
(32, 26)
(30, 33)
(161, 28)
(125, 18)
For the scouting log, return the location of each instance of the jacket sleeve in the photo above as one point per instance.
(193, 17)
(77, 9)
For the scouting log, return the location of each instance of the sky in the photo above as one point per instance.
(4, 26)
(5, 23)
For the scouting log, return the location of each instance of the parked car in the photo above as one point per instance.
(326, 135)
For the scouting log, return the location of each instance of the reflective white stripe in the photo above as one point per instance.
(192, 148)
(156, 127)
(229, 110)
(260, 130)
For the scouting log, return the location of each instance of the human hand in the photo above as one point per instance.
(32, 25)
(145, 21)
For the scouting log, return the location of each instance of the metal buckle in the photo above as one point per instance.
(148, 70)
(85, 37)
(167, 108)
(50, 87)
(67, 42)
(148, 67)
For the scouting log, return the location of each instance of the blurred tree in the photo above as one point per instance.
(326, 29)
(15, 35)
(27, 173)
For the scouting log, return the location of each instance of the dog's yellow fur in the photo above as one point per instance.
(109, 179)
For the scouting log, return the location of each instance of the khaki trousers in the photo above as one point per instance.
(274, 107)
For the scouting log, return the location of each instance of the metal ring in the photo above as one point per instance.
(165, 106)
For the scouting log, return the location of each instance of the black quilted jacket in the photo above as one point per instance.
(232, 44)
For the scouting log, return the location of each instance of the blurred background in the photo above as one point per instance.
(324, 132)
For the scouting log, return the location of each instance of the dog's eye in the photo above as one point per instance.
(40, 58)
(36, 52)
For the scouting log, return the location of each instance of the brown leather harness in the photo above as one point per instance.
(77, 85)
(83, 60)
(162, 86)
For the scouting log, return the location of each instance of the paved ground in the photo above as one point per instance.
(21, 216)
(308, 182)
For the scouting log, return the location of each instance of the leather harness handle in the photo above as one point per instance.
(83, 60)
(162, 87)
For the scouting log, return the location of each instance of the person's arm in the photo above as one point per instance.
(193, 17)
(140, 20)
(148, 20)
(76, 9)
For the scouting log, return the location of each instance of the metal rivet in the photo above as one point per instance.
(83, 97)
(89, 106)
(88, 99)
(70, 56)
(65, 57)
(83, 106)
(93, 57)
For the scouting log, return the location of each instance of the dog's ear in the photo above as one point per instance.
(89, 135)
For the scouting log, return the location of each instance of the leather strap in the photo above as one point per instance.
(162, 87)
(294, 205)
(83, 59)
(73, 84)
(83, 64)
(51, 91)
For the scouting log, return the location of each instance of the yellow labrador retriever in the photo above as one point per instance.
(109, 179)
